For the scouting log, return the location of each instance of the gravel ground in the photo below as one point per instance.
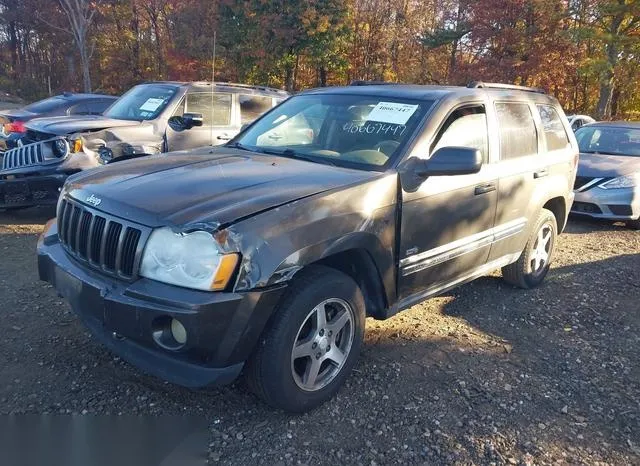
(486, 374)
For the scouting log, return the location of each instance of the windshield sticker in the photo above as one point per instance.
(374, 128)
(152, 104)
(391, 112)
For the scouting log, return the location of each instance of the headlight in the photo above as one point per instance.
(60, 148)
(192, 260)
(76, 145)
(627, 181)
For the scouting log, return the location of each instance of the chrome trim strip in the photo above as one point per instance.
(441, 288)
(589, 184)
(446, 252)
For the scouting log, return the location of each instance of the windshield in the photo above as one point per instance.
(143, 102)
(348, 130)
(609, 140)
(46, 105)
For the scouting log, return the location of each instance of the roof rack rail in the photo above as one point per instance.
(362, 82)
(245, 86)
(483, 85)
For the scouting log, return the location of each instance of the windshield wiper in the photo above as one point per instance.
(292, 154)
(238, 145)
(599, 152)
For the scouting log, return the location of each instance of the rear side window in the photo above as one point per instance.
(553, 128)
(518, 136)
(252, 106)
(218, 114)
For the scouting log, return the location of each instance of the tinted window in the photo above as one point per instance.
(97, 107)
(200, 102)
(252, 106)
(46, 105)
(466, 127)
(553, 128)
(577, 123)
(609, 140)
(78, 109)
(143, 102)
(518, 135)
(359, 131)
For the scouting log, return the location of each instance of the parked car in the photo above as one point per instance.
(267, 257)
(12, 122)
(150, 118)
(578, 121)
(608, 182)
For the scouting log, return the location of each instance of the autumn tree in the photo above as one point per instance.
(80, 14)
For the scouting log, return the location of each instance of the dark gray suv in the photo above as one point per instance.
(150, 118)
(266, 254)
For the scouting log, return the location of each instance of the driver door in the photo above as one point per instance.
(446, 226)
(220, 123)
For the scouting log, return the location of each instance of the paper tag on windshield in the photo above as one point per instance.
(151, 105)
(391, 112)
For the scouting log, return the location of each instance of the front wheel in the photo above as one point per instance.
(533, 264)
(312, 342)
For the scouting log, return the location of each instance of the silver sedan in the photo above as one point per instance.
(608, 181)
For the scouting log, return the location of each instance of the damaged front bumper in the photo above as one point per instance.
(130, 318)
(30, 187)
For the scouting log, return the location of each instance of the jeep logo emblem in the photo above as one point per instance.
(94, 201)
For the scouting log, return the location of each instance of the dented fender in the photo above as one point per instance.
(277, 244)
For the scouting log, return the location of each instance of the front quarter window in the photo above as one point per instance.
(355, 131)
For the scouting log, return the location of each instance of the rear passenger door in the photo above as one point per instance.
(525, 164)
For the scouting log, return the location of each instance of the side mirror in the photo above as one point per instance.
(448, 161)
(192, 119)
(186, 121)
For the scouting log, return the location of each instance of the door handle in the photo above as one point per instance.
(224, 137)
(484, 188)
(540, 173)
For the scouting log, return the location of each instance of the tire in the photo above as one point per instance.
(281, 380)
(634, 224)
(529, 271)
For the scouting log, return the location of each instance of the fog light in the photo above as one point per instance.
(178, 331)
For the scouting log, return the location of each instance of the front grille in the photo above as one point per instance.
(24, 156)
(623, 210)
(109, 244)
(585, 207)
(583, 181)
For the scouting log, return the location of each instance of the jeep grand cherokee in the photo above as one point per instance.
(267, 254)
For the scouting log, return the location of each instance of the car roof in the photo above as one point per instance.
(72, 96)
(615, 124)
(430, 92)
(206, 86)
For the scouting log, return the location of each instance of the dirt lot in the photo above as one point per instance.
(486, 374)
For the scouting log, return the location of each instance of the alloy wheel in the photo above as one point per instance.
(322, 344)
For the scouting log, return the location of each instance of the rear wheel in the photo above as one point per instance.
(533, 264)
(312, 342)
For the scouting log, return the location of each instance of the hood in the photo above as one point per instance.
(212, 186)
(602, 165)
(76, 124)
